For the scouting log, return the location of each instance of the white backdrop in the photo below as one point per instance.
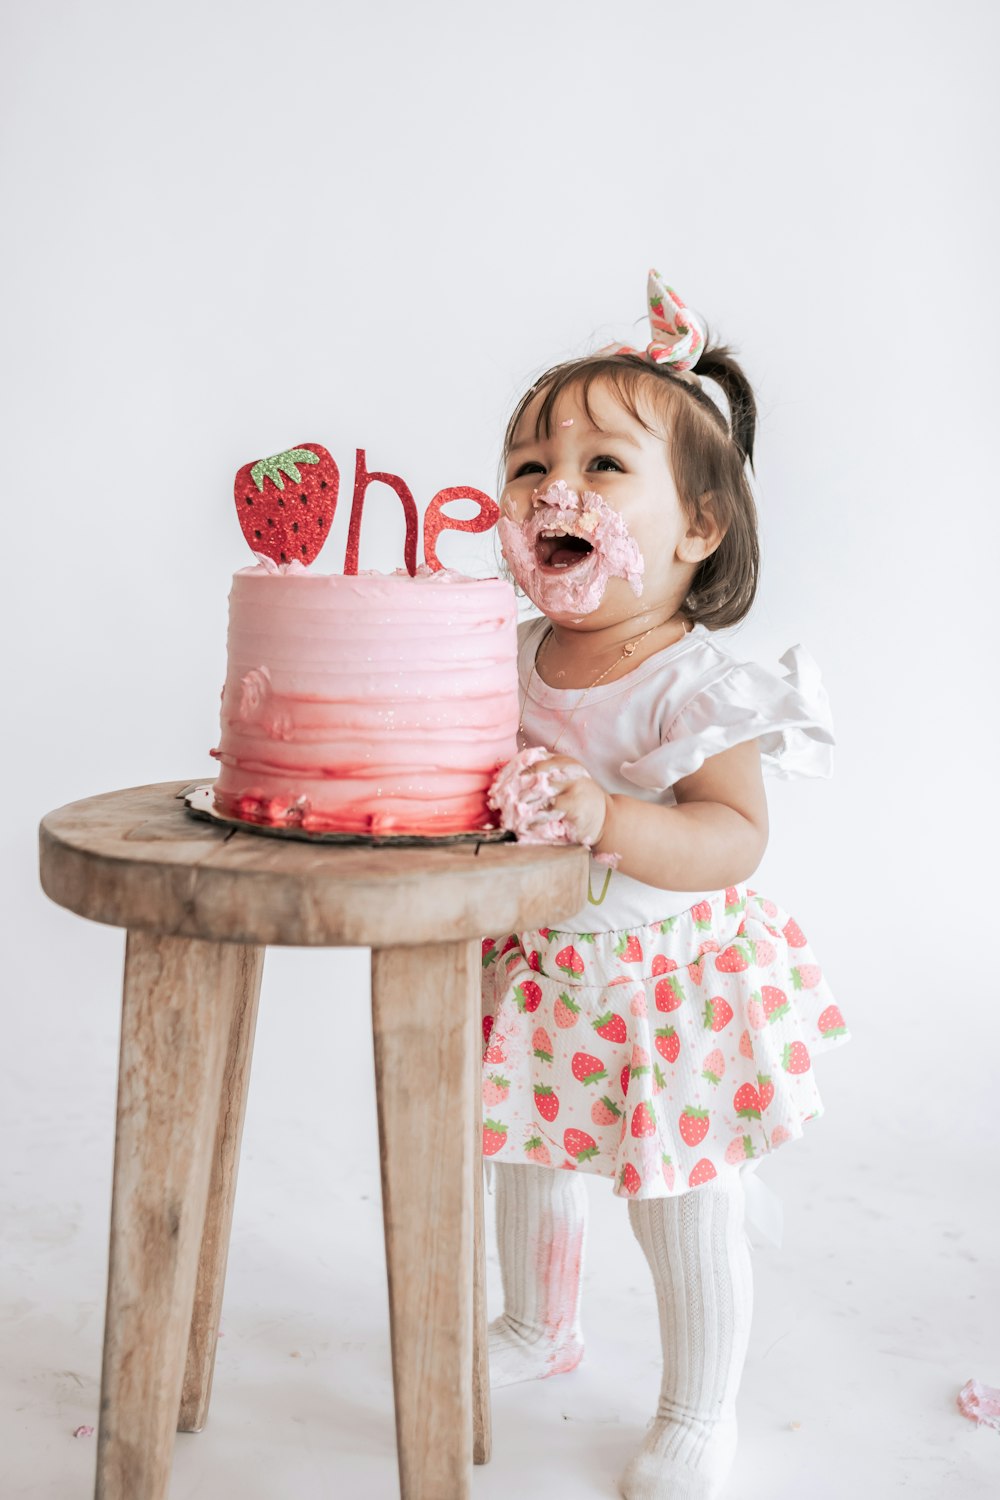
(233, 227)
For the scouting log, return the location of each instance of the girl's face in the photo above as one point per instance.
(629, 467)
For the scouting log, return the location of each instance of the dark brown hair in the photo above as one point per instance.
(707, 455)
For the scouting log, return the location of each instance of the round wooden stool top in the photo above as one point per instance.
(138, 859)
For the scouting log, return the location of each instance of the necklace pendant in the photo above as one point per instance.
(627, 650)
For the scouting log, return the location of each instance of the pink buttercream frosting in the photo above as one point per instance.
(270, 566)
(255, 689)
(579, 587)
(980, 1403)
(376, 703)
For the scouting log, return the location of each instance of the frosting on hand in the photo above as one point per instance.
(523, 793)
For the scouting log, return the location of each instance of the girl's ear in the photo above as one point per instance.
(704, 534)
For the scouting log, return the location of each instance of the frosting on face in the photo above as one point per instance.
(570, 578)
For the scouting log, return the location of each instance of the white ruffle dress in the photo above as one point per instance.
(661, 1038)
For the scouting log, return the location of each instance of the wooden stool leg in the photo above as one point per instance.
(482, 1425)
(177, 1013)
(197, 1388)
(425, 1009)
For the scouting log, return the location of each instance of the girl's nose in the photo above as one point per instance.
(563, 473)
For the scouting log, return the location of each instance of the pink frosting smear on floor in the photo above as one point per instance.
(980, 1403)
(576, 588)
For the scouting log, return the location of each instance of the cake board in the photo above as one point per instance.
(200, 803)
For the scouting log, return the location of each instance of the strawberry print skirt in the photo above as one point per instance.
(662, 1057)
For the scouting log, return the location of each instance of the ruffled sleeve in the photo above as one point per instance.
(789, 715)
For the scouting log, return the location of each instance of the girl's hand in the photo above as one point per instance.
(583, 803)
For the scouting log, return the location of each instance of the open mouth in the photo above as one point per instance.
(561, 549)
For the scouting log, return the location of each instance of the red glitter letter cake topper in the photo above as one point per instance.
(286, 503)
(362, 479)
(435, 522)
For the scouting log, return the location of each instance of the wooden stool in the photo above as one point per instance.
(201, 903)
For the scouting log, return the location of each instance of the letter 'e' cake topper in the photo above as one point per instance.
(286, 505)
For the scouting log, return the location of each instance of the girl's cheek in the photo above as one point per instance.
(515, 503)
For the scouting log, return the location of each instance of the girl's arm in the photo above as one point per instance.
(714, 837)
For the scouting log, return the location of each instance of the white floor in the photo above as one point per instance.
(881, 1303)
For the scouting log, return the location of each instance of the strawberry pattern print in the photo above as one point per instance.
(664, 1057)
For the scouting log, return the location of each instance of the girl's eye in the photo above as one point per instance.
(531, 467)
(606, 462)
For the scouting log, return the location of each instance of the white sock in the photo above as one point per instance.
(541, 1228)
(699, 1255)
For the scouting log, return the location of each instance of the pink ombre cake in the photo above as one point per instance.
(372, 704)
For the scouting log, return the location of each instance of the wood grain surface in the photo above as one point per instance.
(138, 859)
(425, 1024)
(197, 1388)
(177, 1014)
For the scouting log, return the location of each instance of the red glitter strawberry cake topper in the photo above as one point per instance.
(286, 505)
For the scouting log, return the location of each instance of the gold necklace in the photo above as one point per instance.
(627, 650)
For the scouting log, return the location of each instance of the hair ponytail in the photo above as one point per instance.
(719, 365)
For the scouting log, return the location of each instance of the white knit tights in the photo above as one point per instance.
(699, 1255)
(541, 1224)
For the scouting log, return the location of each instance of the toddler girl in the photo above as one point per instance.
(664, 1035)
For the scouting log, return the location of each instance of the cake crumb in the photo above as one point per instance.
(980, 1403)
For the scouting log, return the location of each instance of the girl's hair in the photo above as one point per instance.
(708, 458)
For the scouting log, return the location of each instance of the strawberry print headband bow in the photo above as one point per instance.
(678, 334)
